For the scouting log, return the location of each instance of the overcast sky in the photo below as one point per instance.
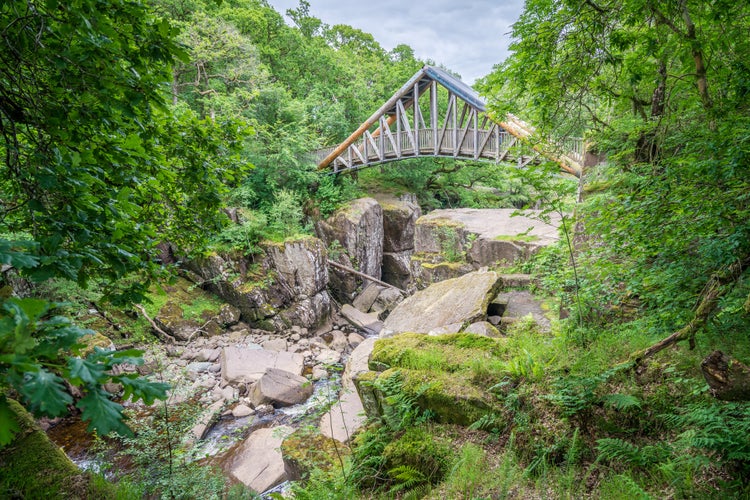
(467, 36)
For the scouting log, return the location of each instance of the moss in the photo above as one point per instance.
(453, 398)
(34, 467)
(441, 222)
(195, 303)
(441, 371)
(456, 352)
(454, 266)
(305, 450)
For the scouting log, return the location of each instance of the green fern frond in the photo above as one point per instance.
(406, 477)
(631, 489)
(621, 402)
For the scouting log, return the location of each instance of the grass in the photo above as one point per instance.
(196, 304)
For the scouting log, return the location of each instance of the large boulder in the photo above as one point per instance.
(399, 223)
(512, 306)
(449, 243)
(280, 388)
(244, 365)
(257, 462)
(459, 301)
(499, 234)
(358, 229)
(456, 394)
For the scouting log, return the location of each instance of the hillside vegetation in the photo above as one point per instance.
(125, 124)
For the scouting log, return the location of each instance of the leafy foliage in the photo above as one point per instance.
(31, 343)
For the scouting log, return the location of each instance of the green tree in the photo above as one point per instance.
(662, 89)
(95, 170)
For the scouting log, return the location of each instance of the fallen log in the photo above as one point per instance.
(363, 276)
(728, 378)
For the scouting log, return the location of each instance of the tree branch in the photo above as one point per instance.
(709, 300)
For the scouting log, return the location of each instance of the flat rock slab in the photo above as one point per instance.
(257, 462)
(365, 322)
(500, 222)
(281, 388)
(347, 416)
(245, 365)
(458, 301)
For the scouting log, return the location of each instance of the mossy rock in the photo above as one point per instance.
(445, 373)
(449, 353)
(453, 398)
(304, 450)
(34, 467)
(420, 450)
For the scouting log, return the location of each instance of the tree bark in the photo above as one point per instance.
(728, 379)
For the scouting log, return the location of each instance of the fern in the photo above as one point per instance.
(618, 450)
(491, 422)
(401, 409)
(406, 478)
(721, 429)
(631, 489)
(621, 402)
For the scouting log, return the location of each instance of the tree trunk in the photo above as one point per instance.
(728, 379)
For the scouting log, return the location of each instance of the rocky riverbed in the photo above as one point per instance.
(292, 337)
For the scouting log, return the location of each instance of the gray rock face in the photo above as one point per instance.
(301, 265)
(399, 227)
(459, 301)
(358, 228)
(399, 223)
(229, 315)
(280, 388)
(285, 286)
(257, 462)
(307, 313)
(397, 268)
(244, 365)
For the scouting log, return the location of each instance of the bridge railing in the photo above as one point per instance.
(490, 144)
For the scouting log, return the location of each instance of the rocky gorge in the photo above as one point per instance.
(290, 339)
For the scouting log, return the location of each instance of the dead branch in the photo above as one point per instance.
(161, 333)
(709, 300)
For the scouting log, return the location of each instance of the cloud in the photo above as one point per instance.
(468, 38)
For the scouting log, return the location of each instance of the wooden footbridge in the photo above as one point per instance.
(404, 127)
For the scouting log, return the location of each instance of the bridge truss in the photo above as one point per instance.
(405, 127)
